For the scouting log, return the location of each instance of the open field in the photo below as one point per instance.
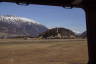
(18, 51)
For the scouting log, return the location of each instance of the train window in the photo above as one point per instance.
(37, 34)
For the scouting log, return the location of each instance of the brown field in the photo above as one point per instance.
(19, 51)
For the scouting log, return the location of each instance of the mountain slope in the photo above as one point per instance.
(58, 33)
(20, 26)
(84, 35)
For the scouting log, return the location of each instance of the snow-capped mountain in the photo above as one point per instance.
(20, 26)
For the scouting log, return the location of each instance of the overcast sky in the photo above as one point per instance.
(50, 16)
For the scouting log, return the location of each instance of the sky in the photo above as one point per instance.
(50, 16)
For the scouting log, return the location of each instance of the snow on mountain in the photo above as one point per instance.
(21, 26)
(16, 18)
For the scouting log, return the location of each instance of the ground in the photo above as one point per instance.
(20, 51)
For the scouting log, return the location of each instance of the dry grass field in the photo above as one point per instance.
(19, 51)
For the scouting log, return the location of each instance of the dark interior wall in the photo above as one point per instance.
(91, 33)
(90, 9)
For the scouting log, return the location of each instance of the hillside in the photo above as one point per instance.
(84, 35)
(61, 33)
(21, 26)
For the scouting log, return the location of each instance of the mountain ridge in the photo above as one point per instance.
(21, 26)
